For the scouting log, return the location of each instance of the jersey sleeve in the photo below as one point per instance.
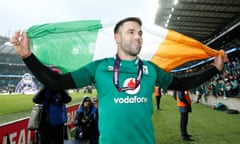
(85, 75)
(164, 78)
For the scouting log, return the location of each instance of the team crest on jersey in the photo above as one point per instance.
(130, 82)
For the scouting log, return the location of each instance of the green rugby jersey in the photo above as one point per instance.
(124, 117)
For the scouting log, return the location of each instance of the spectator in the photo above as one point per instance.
(184, 104)
(86, 122)
(95, 101)
(158, 96)
(199, 92)
(235, 86)
(51, 130)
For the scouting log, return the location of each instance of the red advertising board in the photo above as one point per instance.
(16, 132)
(71, 112)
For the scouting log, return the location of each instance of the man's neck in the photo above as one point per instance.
(126, 57)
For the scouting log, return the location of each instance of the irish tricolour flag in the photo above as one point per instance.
(70, 45)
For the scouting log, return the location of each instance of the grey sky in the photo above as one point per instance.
(22, 14)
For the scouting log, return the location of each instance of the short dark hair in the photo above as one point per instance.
(121, 22)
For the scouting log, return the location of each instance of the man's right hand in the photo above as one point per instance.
(20, 42)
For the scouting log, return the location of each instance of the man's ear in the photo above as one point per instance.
(117, 38)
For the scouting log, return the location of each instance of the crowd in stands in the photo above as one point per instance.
(226, 84)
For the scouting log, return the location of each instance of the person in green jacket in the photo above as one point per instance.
(124, 83)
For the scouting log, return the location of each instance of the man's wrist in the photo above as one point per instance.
(216, 68)
(26, 55)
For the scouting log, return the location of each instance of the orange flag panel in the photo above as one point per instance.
(178, 49)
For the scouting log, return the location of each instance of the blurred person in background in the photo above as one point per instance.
(86, 121)
(95, 101)
(184, 104)
(158, 95)
(51, 129)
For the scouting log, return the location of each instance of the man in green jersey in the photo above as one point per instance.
(124, 83)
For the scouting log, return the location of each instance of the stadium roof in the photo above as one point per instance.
(203, 20)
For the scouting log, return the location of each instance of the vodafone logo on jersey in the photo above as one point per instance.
(130, 82)
(132, 98)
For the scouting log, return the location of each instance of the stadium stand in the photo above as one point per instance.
(11, 67)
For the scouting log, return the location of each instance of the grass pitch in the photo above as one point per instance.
(18, 106)
(207, 126)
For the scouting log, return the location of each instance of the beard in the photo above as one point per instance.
(134, 51)
(130, 48)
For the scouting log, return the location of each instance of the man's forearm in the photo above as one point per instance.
(49, 78)
(186, 83)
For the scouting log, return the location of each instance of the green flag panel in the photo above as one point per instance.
(66, 45)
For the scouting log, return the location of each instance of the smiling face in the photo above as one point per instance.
(129, 40)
